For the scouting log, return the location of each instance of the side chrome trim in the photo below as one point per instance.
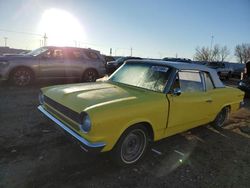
(68, 130)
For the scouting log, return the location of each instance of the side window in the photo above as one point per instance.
(208, 81)
(76, 54)
(92, 55)
(190, 81)
(48, 53)
(58, 53)
(54, 53)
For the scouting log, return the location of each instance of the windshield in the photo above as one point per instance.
(147, 76)
(37, 51)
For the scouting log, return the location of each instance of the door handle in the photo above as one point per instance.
(209, 100)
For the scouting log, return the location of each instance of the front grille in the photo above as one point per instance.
(63, 109)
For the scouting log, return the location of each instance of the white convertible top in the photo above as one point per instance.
(186, 66)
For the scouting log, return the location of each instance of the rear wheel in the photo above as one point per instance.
(221, 118)
(21, 77)
(131, 147)
(90, 75)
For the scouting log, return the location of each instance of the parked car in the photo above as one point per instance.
(246, 72)
(52, 62)
(113, 65)
(184, 60)
(148, 100)
(108, 58)
(237, 68)
(224, 70)
(244, 85)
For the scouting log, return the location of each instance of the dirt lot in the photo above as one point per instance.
(33, 153)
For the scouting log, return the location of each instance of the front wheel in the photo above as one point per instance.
(131, 147)
(90, 75)
(221, 118)
(21, 77)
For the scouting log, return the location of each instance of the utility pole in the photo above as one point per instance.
(45, 39)
(110, 51)
(211, 44)
(131, 51)
(5, 41)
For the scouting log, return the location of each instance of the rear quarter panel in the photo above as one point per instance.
(223, 97)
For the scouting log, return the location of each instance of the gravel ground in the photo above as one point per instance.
(33, 153)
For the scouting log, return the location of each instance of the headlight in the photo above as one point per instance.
(86, 123)
(242, 83)
(41, 98)
(4, 63)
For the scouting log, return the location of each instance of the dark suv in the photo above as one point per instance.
(184, 60)
(244, 84)
(223, 69)
(113, 65)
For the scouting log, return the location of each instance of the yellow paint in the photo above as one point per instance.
(113, 108)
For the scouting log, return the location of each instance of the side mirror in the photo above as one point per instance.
(177, 91)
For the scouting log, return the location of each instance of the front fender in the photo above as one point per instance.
(110, 122)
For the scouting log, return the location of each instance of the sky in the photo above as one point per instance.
(152, 28)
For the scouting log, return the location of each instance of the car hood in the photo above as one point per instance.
(80, 97)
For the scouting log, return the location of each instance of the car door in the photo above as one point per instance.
(217, 95)
(192, 106)
(51, 64)
(74, 63)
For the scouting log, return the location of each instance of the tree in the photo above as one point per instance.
(242, 52)
(224, 53)
(202, 54)
(217, 53)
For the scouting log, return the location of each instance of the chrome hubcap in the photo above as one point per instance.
(133, 146)
(90, 76)
(22, 77)
(221, 118)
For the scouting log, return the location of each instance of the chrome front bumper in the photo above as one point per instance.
(85, 144)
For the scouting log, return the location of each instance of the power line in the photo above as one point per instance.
(45, 39)
(20, 32)
(211, 44)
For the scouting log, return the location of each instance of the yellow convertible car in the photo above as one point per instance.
(142, 101)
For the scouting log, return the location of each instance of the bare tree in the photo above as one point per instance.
(224, 53)
(242, 52)
(239, 53)
(202, 54)
(217, 53)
